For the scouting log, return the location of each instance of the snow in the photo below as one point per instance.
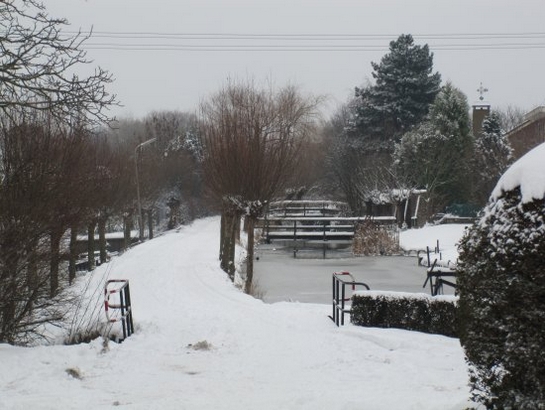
(200, 343)
(528, 172)
(448, 236)
(396, 295)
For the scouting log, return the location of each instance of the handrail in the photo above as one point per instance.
(339, 295)
(436, 279)
(124, 305)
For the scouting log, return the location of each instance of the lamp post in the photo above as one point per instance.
(139, 204)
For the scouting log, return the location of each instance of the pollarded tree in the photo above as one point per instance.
(251, 139)
(501, 284)
(404, 88)
(493, 154)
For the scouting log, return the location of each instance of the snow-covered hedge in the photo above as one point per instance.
(410, 311)
(501, 280)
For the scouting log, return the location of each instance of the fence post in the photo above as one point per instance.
(324, 245)
(294, 239)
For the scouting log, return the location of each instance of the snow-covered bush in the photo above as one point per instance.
(410, 311)
(502, 291)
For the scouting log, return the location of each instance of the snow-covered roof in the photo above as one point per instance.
(528, 172)
(392, 195)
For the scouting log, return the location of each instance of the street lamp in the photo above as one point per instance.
(139, 204)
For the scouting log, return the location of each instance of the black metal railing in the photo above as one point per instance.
(123, 305)
(437, 281)
(340, 296)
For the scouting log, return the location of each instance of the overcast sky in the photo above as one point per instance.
(325, 47)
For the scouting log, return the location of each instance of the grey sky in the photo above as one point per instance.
(152, 78)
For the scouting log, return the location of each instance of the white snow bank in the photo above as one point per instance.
(448, 235)
(528, 172)
(256, 355)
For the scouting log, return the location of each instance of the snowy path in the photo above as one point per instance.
(262, 356)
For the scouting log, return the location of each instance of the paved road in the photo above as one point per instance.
(284, 278)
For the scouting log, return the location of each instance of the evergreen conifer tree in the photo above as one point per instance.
(405, 86)
(437, 154)
(493, 154)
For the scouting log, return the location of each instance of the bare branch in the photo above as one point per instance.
(38, 64)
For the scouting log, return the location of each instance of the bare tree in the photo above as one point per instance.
(251, 140)
(38, 197)
(42, 104)
(510, 117)
(37, 65)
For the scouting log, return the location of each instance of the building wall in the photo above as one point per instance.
(480, 112)
(529, 134)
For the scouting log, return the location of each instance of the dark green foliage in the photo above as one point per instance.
(437, 154)
(404, 89)
(405, 311)
(502, 303)
(493, 154)
(463, 210)
(368, 127)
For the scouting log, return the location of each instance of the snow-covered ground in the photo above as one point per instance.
(447, 236)
(202, 344)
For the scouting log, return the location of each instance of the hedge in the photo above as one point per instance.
(410, 311)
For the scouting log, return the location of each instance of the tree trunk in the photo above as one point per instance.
(174, 213)
(8, 303)
(127, 227)
(33, 281)
(102, 239)
(91, 246)
(12, 288)
(227, 251)
(73, 247)
(222, 235)
(237, 227)
(149, 214)
(245, 225)
(54, 259)
(235, 231)
(250, 257)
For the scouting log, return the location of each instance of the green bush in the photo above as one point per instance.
(501, 283)
(409, 311)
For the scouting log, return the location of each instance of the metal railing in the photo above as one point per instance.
(437, 280)
(123, 305)
(340, 295)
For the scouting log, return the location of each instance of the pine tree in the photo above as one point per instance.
(493, 154)
(404, 89)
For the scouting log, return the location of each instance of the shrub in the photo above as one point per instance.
(501, 284)
(371, 238)
(409, 311)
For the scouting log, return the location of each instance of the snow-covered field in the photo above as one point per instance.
(202, 344)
